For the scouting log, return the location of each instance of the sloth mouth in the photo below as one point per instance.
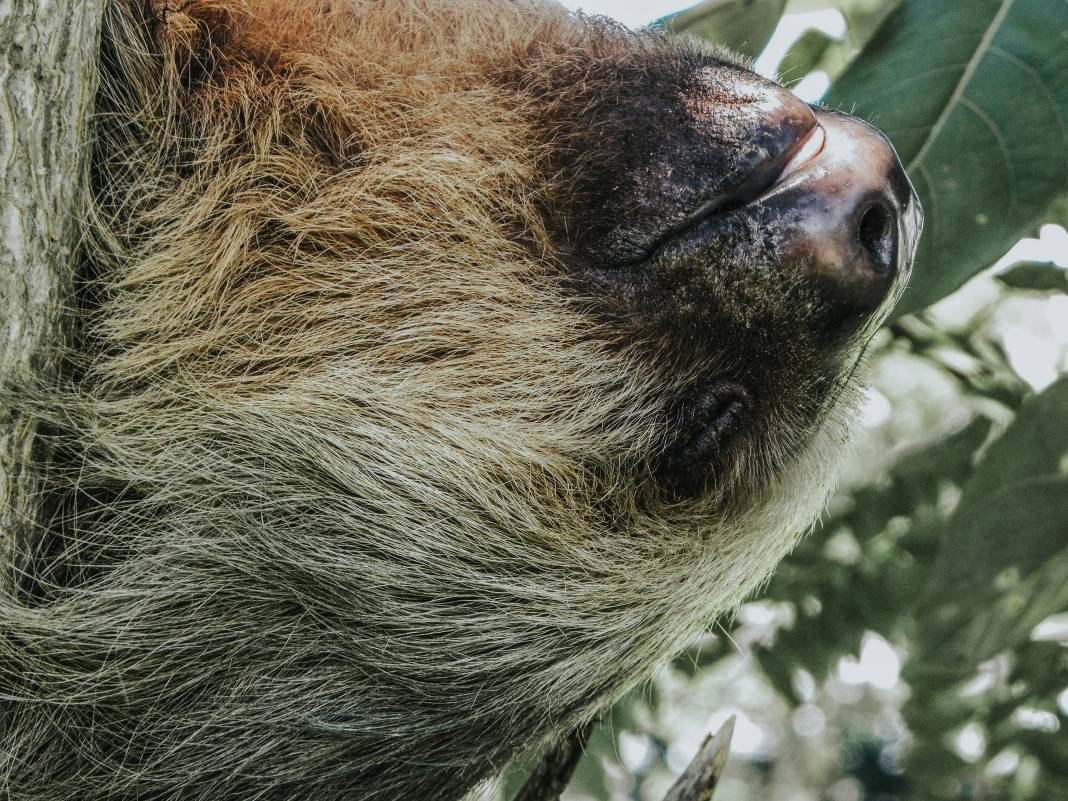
(764, 179)
(807, 150)
(708, 424)
(767, 176)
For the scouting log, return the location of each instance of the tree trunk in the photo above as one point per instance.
(47, 81)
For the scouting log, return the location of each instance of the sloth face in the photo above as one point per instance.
(541, 256)
(736, 234)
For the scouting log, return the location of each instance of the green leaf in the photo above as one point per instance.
(1041, 276)
(743, 25)
(1036, 443)
(974, 95)
(949, 459)
(803, 57)
(1057, 213)
(1004, 568)
(862, 17)
(1011, 618)
(990, 584)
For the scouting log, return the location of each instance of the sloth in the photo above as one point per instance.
(442, 368)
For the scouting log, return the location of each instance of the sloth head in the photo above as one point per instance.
(510, 248)
(444, 366)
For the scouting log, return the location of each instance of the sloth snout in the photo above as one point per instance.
(852, 218)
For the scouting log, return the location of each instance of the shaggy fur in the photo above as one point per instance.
(356, 493)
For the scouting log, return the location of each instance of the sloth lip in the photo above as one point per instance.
(767, 177)
(764, 179)
(808, 150)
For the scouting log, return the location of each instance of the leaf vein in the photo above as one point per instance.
(965, 79)
(1003, 145)
(897, 87)
(1042, 85)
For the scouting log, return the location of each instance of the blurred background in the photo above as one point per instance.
(915, 646)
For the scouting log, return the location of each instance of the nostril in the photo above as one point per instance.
(878, 238)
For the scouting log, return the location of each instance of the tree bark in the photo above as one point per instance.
(551, 776)
(697, 783)
(700, 779)
(48, 51)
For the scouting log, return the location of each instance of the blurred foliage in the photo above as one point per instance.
(1042, 276)
(955, 549)
(806, 55)
(744, 25)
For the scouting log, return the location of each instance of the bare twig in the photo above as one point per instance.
(554, 771)
(698, 782)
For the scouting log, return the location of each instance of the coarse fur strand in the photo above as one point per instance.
(352, 497)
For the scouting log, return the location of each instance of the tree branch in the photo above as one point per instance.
(697, 783)
(47, 83)
(552, 774)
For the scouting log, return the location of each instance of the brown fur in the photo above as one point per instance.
(360, 499)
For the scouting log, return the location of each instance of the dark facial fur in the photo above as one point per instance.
(414, 416)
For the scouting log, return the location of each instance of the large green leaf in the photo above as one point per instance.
(743, 25)
(1003, 565)
(1035, 444)
(1003, 569)
(974, 95)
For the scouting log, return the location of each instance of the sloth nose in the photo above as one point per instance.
(854, 219)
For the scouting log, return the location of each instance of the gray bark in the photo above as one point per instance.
(47, 81)
(698, 782)
(550, 777)
(701, 777)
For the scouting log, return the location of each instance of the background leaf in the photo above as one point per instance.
(804, 56)
(1012, 517)
(1035, 444)
(743, 25)
(1039, 276)
(862, 18)
(992, 547)
(974, 95)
